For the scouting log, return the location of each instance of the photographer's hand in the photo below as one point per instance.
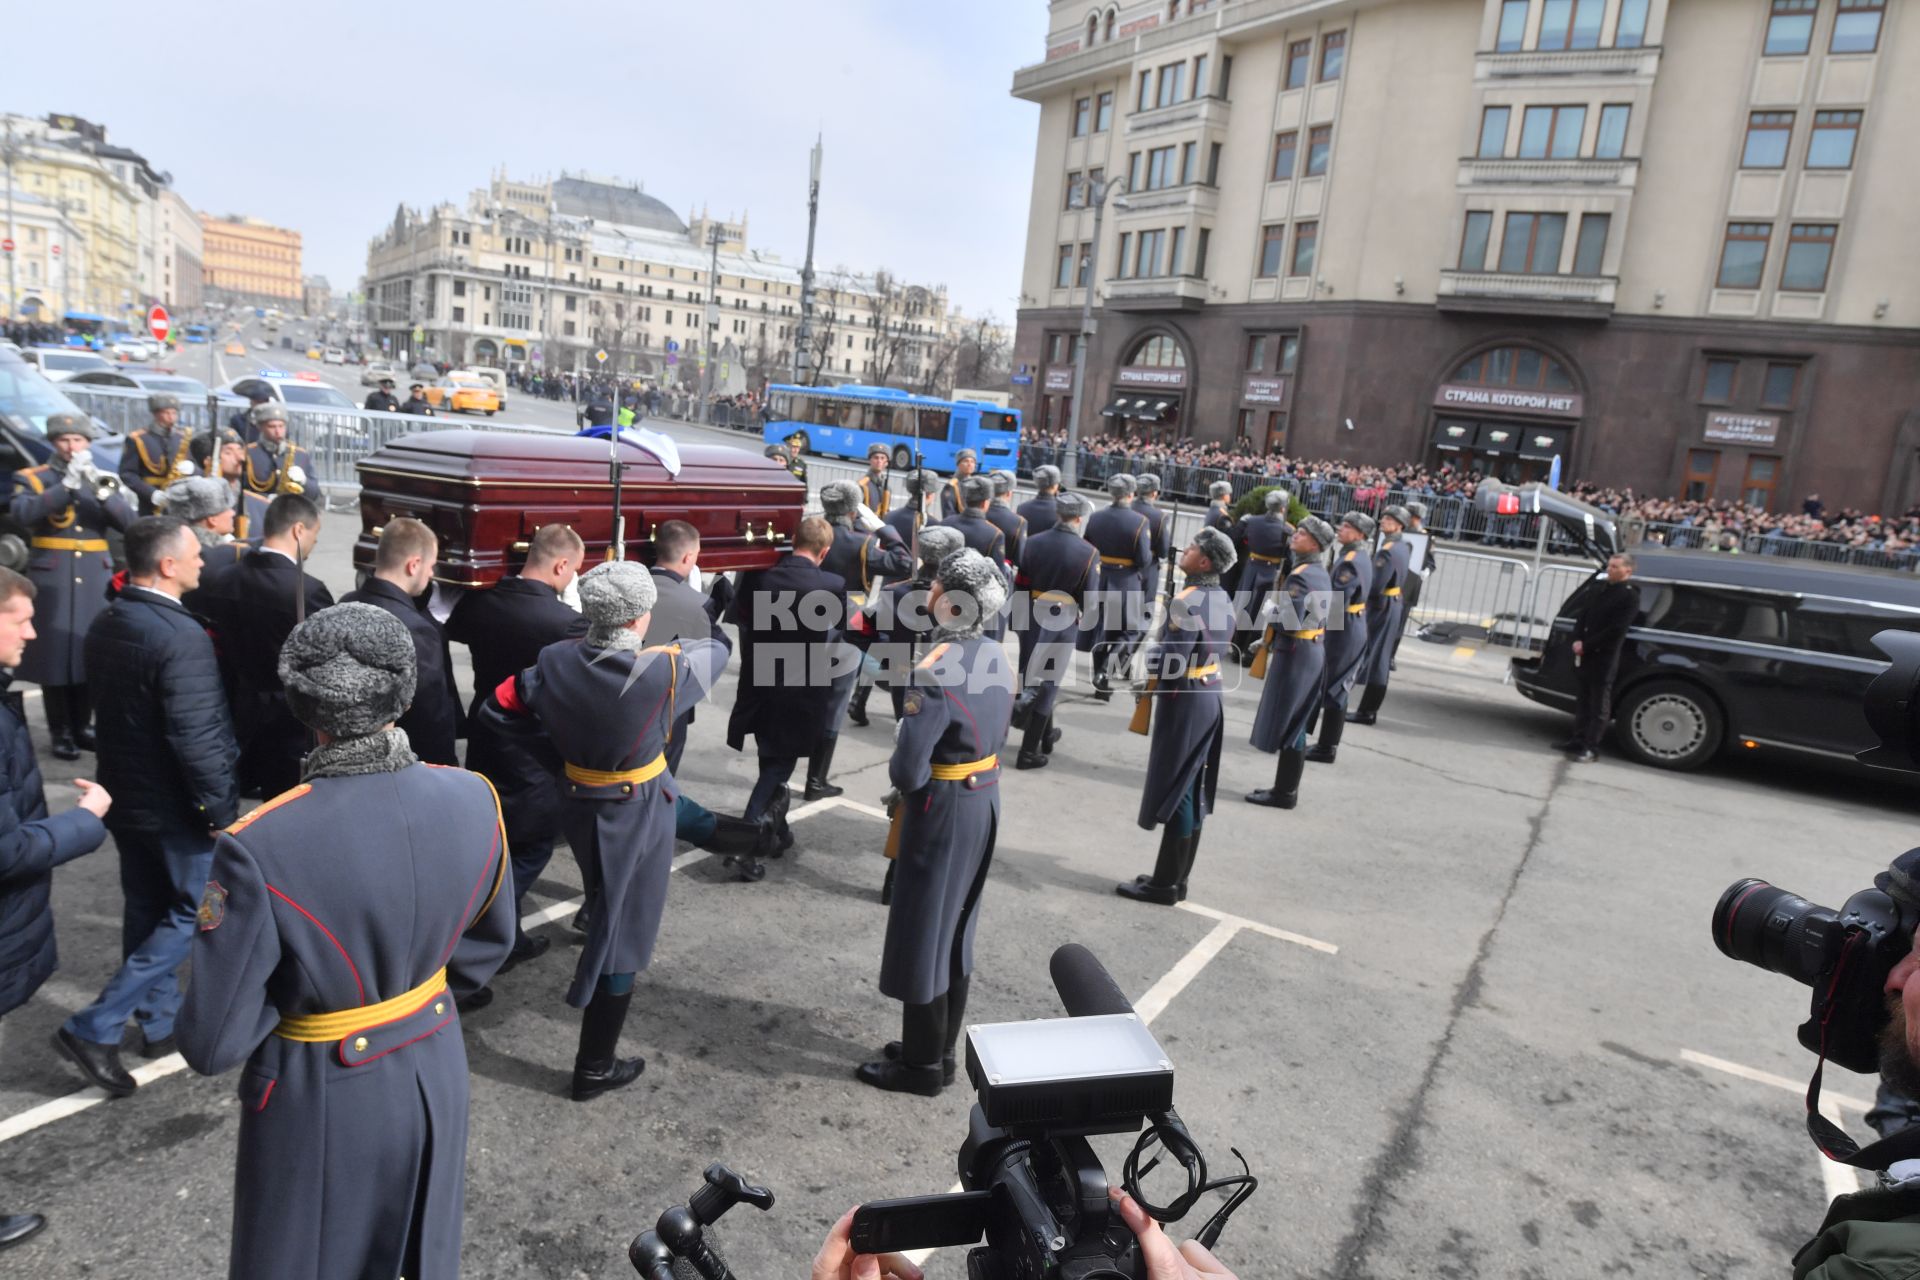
(837, 1260)
(1191, 1261)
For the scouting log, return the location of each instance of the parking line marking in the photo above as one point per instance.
(1241, 922)
(1835, 1178)
(82, 1100)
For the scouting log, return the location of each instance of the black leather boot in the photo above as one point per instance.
(15, 1227)
(596, 1068)
(857, 709)
(1052, 738)
(100, 1063)
(886, 886)
(1370, 701)
(918, 1067)
(777, 817)
(80, 714)
(956, 1014)
(1033, 751)
(53, 699)
(1286, 782)
(1162, 888)
(742, 844)
(819, 764)
(1331, 727)
(1190, 852)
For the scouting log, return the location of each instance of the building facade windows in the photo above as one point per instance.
(1103, 113)
(1531, 243)
(1513, 367)
(1172, 78)
(1703, 466)
(1610, 141)
(1158, 352)
(1571, 24)
(1830, 146)
(1306, 244)
(1494, 122)
(1333, 55)
(1591, 248)
(1299, 63)
(1273, 239)
(1856, 28)
(1809, 255)
(1074, 196)
(1200, 246)
(1512, 35)
(1286, 148)
(1716, 381)
(1082, 116)
(1063, 271)
(1473, 243)
(1768, 133)
(1790, 28)
(1763, 473)
(1319, 148)
(1743, 256)
(1777, 390)
(1085, 272)
(1552, 133)
(1630, 31)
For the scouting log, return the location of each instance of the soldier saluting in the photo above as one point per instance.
(1352, 578)
(1296, 659)
(273, 466)
(330, 968)
(157, 454)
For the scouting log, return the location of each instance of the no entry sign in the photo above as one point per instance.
(159, 323)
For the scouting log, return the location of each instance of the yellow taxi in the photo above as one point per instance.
(313, 353)
(464, 393)
(236, 349)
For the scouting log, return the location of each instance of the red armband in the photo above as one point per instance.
(507, 694)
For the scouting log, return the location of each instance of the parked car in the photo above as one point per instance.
(236, 349)
(463, 393)
(304, 389)
(334, 355)
(376, 370)
(143, 380)
(61, 363)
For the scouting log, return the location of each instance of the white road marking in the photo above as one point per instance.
(83, 1100)
(1837, 1179)
(1267, 929)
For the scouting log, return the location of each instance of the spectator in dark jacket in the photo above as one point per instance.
(1599, 635)
(402, 570)
(31, 843)
(166, 748)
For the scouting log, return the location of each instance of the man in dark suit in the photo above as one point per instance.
(402, 573)
(681, 611)
(251, 607)
(1599, 637)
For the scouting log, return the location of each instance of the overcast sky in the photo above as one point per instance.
(323, 117)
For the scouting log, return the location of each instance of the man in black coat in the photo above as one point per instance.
(32, 844)
(681, 611)
(251, 607)
(1599, 636)
(383, 398)
(402, 572)
(167, 752)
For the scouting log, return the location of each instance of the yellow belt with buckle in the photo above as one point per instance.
(1201, 673)
(961, 772)
(614, 777)
(318, 1028)
(1391, 591)
(70, 544)
(1255, 555)
(1127, 560)
(1356, 608)
(1314, 634)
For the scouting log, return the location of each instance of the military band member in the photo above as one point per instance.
(1058, 568)
(1416, 573)
(864, 551)
(1038, 511)
(874, 489)
(223, 455)
(1147, 488)
(273, 466)
(797, 455)
(1000, 511)
(921, 507)
(156, 455)
(952, 502)
(1220, 516)
(946, 767)
(67, 505)
(1124, 540)
(1296, 661)
(1346, 639)
(331, 966)
(1384, 614)
(1265, 538)
(1188, 719)
(607, 703)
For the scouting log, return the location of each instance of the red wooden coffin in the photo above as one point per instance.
(485, 493)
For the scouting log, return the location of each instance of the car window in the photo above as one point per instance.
(1723, 615)
(27, 398)
(308, 393)
(1839, 627)
(63, 361)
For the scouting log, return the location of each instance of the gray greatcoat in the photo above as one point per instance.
(352, 1159)
(1297, 663)
(70, 567)
(1346, 637)
(1265, 539)
(1188, 720)
(1124, 540)
(610, 710)
(1385, 610)
(1058, 568)
(956, 710)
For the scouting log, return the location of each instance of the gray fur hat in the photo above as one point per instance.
(1148, 482)
(161, 400)
(198, 497)
(1002, 483)
(1121, 485)
(937, 542)
(1361, 522)
(1418, 510)
(1397, 512)
(1217, 547)
(1278, 500)
(965, 454)
(1046, 476)
(265, 412)
(967, 572)
(612, 594)
(349, 670)
(70, 424)
(1220, 489)
(876, 449)
(921, 483)
(976, 489)
(839, 498)
(1072, 506)
(1319, 530)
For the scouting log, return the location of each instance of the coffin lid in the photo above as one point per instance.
(508, 456)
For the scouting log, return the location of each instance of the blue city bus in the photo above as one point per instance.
(196, 333)
(841, 422)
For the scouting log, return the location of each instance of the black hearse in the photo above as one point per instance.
(1747, 653)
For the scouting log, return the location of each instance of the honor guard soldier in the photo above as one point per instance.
(67, 506)
(382, 399)
(156, 455)
(1188, 721)
(1346, 639)
(919, 510)
(1295, 661)
(1266, 538)
(607, 703)
(1384, 615)
(333, 976)
(206, 504)
(1124, 540)
(1219, 507)
(874, 489)
(1000, 511)
(952, 499)
(222, 454)
(1038, 511)
(1146, 489)
(946, 767)
(980, 533)
(403, 561)
(241, 420)
(864, 551)
(1058, 568)
(273, 466)
(1416, 571)
(797, 456)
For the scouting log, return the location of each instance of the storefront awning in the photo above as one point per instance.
(1118, 409)
(1497, 437)
(1452, 435)
(1543, 443)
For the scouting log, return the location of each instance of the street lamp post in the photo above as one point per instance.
(712, 316)
(1094, 193)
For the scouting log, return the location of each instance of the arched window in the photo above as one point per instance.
(1514, 367)
(1110, 17)
(1158, 352)
(1093, 29)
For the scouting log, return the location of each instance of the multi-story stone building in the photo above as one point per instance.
(1669, 243)
(551, 272)
(182, 253)
(79, 208)
(252, 262)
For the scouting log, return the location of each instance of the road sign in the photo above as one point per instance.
(1022, 379)
(6, 246)
(600, 356)
(673, 357)
(54, 250)
(672, 345)
(159, 323)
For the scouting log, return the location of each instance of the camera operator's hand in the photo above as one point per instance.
(1191, 1261)
(837, 1260)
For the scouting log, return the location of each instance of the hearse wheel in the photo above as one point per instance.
(1670, 724)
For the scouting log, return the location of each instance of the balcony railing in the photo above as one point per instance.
(1569, 62)
(1515, 286)
(1209, 110)
(1157, 293)
(1193, 197)
(1504, 172)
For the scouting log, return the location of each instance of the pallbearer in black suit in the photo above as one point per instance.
(921, 507)
(1295, 618)
(864, 552)
(340, 923)
(1124, 540)
(607, 703)
(1000, 511)
(402, 573)
(1057, 570)
(1160, 536)
(1183, 762)
(875, 492)
(1384, 614)
(1346, 638)
(1266, 538)
(952, 499)
(1038, 511)
(946, 766)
